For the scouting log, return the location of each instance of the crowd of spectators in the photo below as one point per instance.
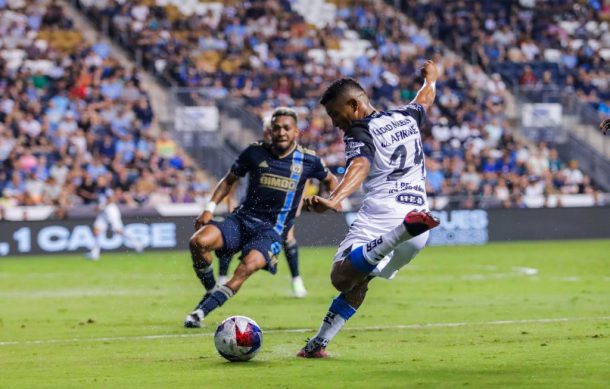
(73, 120)
(262, 52)
(556, 46)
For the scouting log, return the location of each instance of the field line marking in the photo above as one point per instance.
(303, 330)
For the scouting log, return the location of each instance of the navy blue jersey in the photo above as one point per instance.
(275, 185)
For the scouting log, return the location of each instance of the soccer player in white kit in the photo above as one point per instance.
(109, 214)
(384, 153)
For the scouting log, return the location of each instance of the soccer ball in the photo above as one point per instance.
(238, 338)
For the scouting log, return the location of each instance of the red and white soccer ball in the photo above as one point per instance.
(238, 338)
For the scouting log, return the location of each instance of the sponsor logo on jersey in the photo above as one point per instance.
(374, 243)
(352, 149)
(390, 127)
(402, 134)
(410, 198)
(263, 164)
(402, 186)
(298, 169)
(278, 182)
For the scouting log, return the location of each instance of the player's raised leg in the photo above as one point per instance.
(250, 264)
(361, 261)
(133, 241)
(352, 274)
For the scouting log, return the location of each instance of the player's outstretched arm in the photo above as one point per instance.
(605, 126)
(426, 94)
(223, 188)
(331, 181)
(355, 175)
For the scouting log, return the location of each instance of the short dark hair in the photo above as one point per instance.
(284, 111)
(338, 88)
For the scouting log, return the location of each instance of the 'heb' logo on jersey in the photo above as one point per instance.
(410, 198)
(278, 182)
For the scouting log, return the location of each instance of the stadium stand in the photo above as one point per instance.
(268, 54)
(546, 46)
(72, 117)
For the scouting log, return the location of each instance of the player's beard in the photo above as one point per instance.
(281, 150)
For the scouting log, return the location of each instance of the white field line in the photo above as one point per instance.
(303, 330)
(79, 292)
(97, 292)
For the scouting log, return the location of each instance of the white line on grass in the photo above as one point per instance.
(302, 330)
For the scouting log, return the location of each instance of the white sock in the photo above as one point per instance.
(297, 279)
(376, 250)
(338, 314)
(97, 246)
(331, 325)
(222, 280)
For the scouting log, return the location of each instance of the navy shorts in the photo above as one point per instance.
(242, 233)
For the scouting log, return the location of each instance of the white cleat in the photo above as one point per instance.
(92, 256)
(298, 288)
(193, 319)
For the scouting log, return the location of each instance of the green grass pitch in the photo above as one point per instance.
(501, 315)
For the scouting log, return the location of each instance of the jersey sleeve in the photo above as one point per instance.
(416, 111)
(243, 163)
(359, 143)
(320, 171)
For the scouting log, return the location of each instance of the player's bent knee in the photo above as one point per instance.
(341, 282)
(197, 242)
(202, 240)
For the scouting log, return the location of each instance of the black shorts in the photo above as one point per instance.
(242, 233)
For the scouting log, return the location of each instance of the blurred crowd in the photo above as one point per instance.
(266, 54)
(553, 46)
(74, 121)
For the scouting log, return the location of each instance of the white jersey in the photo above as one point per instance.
(391, 141)
(109, 214)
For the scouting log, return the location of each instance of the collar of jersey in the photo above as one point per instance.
(286, 153)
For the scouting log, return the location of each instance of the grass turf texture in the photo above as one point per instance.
(66, 322)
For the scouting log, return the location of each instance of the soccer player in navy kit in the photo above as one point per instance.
(278, 172)
(290, 245)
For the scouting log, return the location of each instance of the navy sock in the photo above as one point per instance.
(205, 275)
(223, 265)
(216, 299)
(291, 249)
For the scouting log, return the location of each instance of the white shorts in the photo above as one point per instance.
(110, 215)
(366, 228)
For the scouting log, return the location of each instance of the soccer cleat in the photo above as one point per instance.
(298, 288)
(193, 319)
(418, 222)
(92, 256)
(313, 349)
